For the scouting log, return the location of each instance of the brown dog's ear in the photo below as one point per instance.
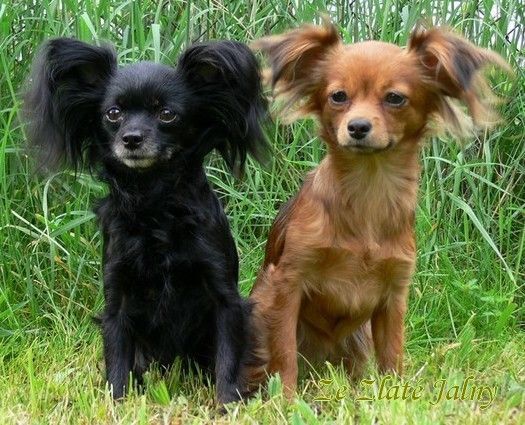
(296, 60)
(452, 67)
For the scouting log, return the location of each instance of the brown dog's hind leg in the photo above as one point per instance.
(281, 316)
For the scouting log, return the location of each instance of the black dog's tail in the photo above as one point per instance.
(225, 76)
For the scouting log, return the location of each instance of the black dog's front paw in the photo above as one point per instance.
(120, 385)
(117, 392)
(228, 395)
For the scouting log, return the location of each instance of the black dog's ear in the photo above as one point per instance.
(62, 106)
(225, 76)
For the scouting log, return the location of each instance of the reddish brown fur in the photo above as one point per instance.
(341, 254)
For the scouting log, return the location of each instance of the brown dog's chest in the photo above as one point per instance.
(343, 286)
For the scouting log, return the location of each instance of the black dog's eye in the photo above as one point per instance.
(167, 115)
(339, 97)
(114, 114)
(395, 99)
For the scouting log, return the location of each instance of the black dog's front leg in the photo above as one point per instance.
(119, 354)
(231, 343)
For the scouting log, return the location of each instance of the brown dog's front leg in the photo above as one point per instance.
(282, 317)
(388, 333)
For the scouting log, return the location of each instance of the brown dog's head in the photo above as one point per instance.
(374, 96)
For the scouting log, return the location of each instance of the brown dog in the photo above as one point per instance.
(341, 254)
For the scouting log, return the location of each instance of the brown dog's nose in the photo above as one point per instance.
(359, 128)
(132, 139)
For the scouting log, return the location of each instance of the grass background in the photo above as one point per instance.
(467, 303)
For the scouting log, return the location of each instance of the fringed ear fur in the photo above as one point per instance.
(62, 105)
(225, 75)
(296, 60)
(453, 67)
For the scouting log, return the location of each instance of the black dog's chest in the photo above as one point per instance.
(151, 259)
(153, 256)
(149, 241)
(151, 245)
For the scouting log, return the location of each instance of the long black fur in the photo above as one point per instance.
(170, 262)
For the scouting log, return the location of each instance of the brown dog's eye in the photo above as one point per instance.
(167, 115)
(114, 114)
(395, 99)
(339, 97)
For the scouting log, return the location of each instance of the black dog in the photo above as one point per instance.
(170, 263)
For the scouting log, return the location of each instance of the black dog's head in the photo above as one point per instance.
(82, 108)
(146, 114)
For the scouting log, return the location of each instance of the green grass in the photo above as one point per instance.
(467, 303)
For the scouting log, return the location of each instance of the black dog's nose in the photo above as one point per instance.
(359, 128)
(132, 139)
